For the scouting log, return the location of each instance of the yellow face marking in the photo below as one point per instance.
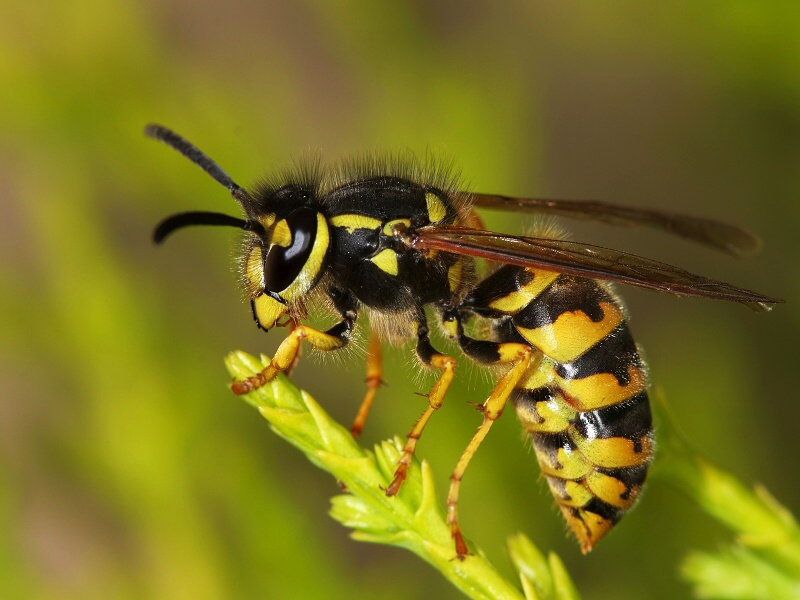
(454, 276)
(517, 300)
(603, 389)
(613, 453)
(436, 208)
(572, 333)
(386, 261)
(351, 222)
(387, 229)
(611, 490)
(268, 310)
(281, 235)
(254, 269)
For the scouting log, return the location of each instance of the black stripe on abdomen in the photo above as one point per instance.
(630, 419)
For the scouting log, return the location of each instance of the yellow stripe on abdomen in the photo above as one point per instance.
(583, 401)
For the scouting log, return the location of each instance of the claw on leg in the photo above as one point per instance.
(245, 386)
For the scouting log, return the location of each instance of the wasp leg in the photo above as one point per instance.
(334, 338)
(431, 357)
(373, 381)
(519, 355)
(292, 325)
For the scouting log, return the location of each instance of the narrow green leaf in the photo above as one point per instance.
(542, 578)
(738, 573)
(562, 582)
(765, 562)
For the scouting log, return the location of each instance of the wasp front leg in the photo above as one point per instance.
(433, 358)
(333, 339)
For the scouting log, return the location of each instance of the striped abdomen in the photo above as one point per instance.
(584, 399)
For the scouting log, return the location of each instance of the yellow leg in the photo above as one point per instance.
(373, 381)
(491, 409)
(286, 354)
(292, 324)
(435, 399)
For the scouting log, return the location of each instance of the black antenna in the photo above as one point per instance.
(171, 223)
(198, 157)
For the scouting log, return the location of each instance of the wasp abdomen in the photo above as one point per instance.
(584, 399)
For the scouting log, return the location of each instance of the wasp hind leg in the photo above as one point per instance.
(492, 353)
(333, 339)
(433, 358)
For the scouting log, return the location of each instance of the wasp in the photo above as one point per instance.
(398, 242)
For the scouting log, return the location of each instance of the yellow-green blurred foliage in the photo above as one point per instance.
(127, 469)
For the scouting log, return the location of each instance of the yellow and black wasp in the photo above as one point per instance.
(394, 239)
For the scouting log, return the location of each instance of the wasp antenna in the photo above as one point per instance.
(186, 219)
(198, 157)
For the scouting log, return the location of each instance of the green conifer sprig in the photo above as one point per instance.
(413, 519)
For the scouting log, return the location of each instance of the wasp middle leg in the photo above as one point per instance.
(433, 358)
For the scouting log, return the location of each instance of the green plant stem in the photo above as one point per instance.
(413, 519)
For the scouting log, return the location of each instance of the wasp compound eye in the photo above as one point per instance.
(284, 263)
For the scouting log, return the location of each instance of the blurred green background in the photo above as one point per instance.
(127, 468)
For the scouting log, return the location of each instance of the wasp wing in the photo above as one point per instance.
(583, 260)
(722, 236)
